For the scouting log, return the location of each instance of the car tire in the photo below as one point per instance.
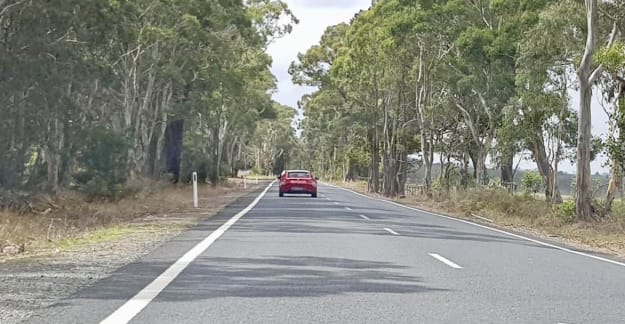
(314, 194)
(281, 194)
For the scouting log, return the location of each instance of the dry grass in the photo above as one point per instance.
(70, 220)
(358, 186)
(525, 214)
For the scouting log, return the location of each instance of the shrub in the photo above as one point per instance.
(618, 209)
(437, 185)
(532, 182)
(102, 161)
(500, 201)
(565, 211)
(494, 183)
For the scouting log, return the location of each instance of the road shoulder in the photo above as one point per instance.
(31, 286)
(523, 232)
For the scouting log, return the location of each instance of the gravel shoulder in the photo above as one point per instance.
(30, 284)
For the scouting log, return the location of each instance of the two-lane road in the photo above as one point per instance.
(346, 258)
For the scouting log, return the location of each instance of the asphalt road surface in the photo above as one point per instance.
(345, 258)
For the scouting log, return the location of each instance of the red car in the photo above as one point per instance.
(297, 182)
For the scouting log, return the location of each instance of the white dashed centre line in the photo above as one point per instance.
(391, 231)
(364, 217)
(347, 208)
(445, 261)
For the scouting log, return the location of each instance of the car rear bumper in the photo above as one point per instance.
(298, 189)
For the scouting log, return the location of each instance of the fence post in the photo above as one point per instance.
(195, 196)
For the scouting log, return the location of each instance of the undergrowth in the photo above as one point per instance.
(525, 211)
(71, 215)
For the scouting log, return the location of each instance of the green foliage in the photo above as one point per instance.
(494, 183)
(196, 157)
(460, 79)
(135, 67)
(102, 159)
(501, 202)
(618, 209)
(532, 182)
(613, 58)
(565, 211)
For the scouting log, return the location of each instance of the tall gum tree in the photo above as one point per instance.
(587, 73)
(613, 58)
(144, 73)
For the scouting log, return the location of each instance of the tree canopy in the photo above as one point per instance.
(148, 88)
(467, 81)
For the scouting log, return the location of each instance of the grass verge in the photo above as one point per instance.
(524, 214)
(69, 221)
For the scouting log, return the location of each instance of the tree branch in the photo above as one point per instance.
(485, 106)
(5, 9)
(607, 14)
(469, 121)
(595, 74)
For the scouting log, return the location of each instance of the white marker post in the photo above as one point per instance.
(195, 199)
(244, 182)
(257, 179)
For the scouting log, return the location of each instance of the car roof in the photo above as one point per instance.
(298, 171)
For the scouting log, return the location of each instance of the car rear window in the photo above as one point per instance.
(298, 175)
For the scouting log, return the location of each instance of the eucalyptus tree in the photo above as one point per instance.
(541, 108)
(491, 75)
(274, 140)
(337, 122)
(588, 74)
(374, 36)
(358, 73)
(328, 117)
(47, 62)
(484, 61)
(136, 71)
(613, 58)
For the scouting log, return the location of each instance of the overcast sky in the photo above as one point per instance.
(316, 15)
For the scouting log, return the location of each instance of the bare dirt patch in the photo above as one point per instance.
(86, 250)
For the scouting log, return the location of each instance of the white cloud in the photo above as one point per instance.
(315, 16)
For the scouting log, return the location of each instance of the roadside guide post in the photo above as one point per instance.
(244, 182)
(195, 198)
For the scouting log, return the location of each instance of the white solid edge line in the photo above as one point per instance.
(482, 218)
(491, 229)
(444, 260)
(137, 303)
(391, 231)
(364, 217)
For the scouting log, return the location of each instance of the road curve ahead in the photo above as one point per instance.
(346, 258)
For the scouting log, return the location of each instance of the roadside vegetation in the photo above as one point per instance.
(459, 85)
(100, 98)
(68, 220)
(107, 107)
(522, 212)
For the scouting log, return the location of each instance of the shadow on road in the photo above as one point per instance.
(277, 276)
(303, 222)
